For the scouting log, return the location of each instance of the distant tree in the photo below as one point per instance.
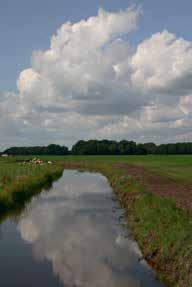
(51, 149)
(79, 148)
(150, 148)
(127, 147)
(113, 148)
(104, 147)
(161, 149)
(171, 149)
(140, 149)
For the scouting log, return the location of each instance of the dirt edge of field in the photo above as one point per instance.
(161, 185)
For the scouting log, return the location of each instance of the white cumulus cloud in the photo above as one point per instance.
(92, 82)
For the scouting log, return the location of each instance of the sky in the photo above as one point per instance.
(84, 69)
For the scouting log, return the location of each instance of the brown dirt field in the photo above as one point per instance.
(160, 185)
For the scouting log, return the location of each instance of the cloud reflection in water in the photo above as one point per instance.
(74, 227)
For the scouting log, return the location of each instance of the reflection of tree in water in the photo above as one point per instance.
(17, 213)
(1, 232)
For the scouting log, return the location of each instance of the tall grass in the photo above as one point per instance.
(13, 171)
(19, 182)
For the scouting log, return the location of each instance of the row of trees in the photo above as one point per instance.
(104, 147)
(51, 149)
(107, 147)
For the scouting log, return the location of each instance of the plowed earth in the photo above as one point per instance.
(160, 185)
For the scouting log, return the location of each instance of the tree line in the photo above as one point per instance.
(51, 149)
(107, 147)
(104, 147)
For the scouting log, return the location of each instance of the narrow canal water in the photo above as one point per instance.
(71, 236)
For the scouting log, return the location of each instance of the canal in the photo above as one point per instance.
(72, 236)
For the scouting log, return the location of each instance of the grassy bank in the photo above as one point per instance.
(164, 232)
(19, 183)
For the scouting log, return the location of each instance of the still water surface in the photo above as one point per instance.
(71, 236)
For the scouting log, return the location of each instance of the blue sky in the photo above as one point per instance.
(71, 70)
(28, 25)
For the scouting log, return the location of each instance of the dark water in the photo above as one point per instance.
(71, 236)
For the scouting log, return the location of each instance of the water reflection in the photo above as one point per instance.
(75, 228)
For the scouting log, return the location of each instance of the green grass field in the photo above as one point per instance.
(177, 167)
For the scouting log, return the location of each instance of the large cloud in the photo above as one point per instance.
(92, 82)
(163, 64)
(81, 69)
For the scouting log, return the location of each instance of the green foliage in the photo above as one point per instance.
(104, 147)
(107, 147)
(51, 149)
